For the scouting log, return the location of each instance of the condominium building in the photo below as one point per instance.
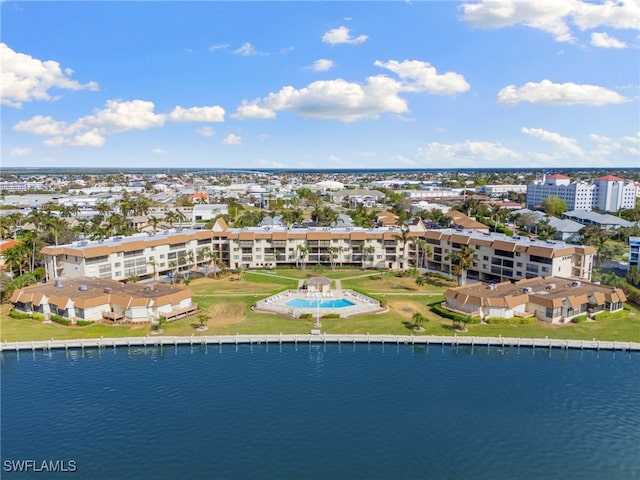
(499, 258)
(608, 193)
(496, 257)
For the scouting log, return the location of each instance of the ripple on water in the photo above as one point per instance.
(364, 412)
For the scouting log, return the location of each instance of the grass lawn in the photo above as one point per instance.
(228, 300)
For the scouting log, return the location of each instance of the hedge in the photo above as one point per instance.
(331, 315)
(59, 319)
(456, 317)
(19, 315)
(511, 321)
(579, 319)
(84, 323)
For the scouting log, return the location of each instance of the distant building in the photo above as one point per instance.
(460, 220)
(602, 220)
(634, 252)
(551, 299)
(368, 198)
(608, 193)
(500, 190)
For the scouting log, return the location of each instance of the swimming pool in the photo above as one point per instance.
(333, 303)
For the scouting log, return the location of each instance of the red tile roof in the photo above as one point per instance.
(610, 178)
(558, 176)
(8, 243)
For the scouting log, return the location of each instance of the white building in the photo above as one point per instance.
(634, 252)
(608, 193)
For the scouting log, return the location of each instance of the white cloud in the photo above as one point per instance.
(553, 16)
(159, 151)
(20, 151)
(334, 159)
(246, 50)
(545, 15)
(87, 139)
(607, 147)
(422, 76)
(342, 35)
(120, 116)
(614, 14)
(468, 152)
(24, 78)
(350, 101)
(322, 65)
(262, 163)
(632, 139)
(117, 116)
(232, 139)
(549, 93)
(215, 47)
(566, 144)
(605, 41)
(253, 110)
(205, 132)
(197, 114)
(43, 126)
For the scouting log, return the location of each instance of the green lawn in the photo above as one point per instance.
(228, 300)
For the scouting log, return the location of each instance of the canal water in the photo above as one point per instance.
(322, 412)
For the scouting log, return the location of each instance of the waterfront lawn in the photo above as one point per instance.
(228, 301)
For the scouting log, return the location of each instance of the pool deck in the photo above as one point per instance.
(322, 338)
(278, 303)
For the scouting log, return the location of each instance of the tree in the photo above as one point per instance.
(418, 320)
(173, 265)
(202, 318)
(334, 253)
(154, 265)
(367, 253)
(403, 238)
(420, 280)
(555, 206)
(633, 276)
(302, 256)
(423, 250)
(461, 261)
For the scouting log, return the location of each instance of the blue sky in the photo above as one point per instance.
(535, 83)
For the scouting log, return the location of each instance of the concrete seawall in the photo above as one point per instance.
(454, 340)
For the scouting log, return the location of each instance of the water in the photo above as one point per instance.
(324, 412)
(333, 303)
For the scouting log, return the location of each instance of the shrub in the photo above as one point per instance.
(37, 316)
(331, 315)
(611, 315)
(579, 319)
(59, 319)
(19, 315)
(84, 323)
(511, 321)
(306, 315)
(456, 317)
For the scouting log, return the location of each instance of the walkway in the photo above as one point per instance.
(549, 343)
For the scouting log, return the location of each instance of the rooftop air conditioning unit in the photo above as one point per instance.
(83, 288)
(527, 290)
(575, 283)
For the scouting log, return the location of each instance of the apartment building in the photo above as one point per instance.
(607, 193)
(496, 257)
(143, 255)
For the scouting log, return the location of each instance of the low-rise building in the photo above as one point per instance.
(551, 299)
(97, 299)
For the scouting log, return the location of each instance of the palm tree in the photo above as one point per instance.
(171, 217)
(16, 258)
(403, 237)
(423, 250)
(367, 252)
(302, 256)
(418, 320)
(461, 261)
(153, 221)
(154, 265)
(333, 256)
(173, 265)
